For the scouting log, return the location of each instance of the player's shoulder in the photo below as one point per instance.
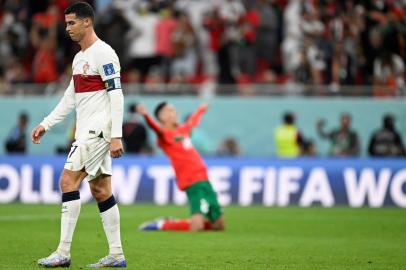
(103, 47)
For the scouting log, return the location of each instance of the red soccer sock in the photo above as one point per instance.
(181, 225)
(176, 225)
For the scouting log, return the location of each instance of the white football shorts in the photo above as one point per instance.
(92, 154)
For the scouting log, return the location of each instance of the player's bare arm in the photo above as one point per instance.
(37, 133)
(204, 106)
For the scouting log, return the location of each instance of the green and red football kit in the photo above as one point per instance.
(190, 169)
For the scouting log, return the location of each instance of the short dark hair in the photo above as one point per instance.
(133, 108)
(159, 108)
(388, 121)
(82, 10)
(346, 114)
(23, 116)
(289, 118)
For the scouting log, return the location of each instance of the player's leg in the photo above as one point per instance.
(69, 184)
(215, 214)
(110, 215)
(204, 210)
(171, 224)
(218, 225)
(194, 223)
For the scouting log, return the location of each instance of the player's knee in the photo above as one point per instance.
(99, 193)
(66, 183)
(70, 181)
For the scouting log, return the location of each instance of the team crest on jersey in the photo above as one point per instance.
(86, 67)
(108, 69)
(179, 138)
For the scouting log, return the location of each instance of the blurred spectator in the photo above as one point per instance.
(13, 38)
(293, 37)
(249, 24)
(344, 28)
(288, 139)
(215, 29)
(165, 49)
(229, 147)
(111, 27)
(141, 50)
(344, 141)
(184, 43)
(16, 141)
(389, 73)
(266, 44)
(4, 85)
(43, 38)
(313, 56)
(135, 135)
(386, 142)
(308, 148)
(330, 43)
(231, 13)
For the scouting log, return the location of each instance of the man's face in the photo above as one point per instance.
(168, 114)
(23, 121)
(75, 27)
(345, 121)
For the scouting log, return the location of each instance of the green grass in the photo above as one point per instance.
(256, 238)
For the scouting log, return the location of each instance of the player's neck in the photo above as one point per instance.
(88, 40)
(170, 126)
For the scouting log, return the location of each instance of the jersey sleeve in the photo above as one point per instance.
(195, 118)
(117, 112)
(64, 107)
(152, 124)
(108, 66)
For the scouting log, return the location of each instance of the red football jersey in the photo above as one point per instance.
(188, 165)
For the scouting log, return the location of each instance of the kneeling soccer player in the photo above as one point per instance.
(190, 170)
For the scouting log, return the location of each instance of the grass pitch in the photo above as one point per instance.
(256, 238)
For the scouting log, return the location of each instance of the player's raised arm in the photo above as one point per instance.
(64, 107)
(150, 121)
(195, 118)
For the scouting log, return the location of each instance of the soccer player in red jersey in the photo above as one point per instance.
(190, 170)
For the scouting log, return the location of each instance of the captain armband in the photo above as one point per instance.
(112, 84)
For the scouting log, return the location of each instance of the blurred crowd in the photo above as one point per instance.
(289, 141)
(344, 141)
(310, 42)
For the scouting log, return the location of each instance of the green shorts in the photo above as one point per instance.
(203, 200)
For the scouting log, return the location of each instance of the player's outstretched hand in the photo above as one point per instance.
(205, 105)
(141, 109)
(116, 148)
(37, 133)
